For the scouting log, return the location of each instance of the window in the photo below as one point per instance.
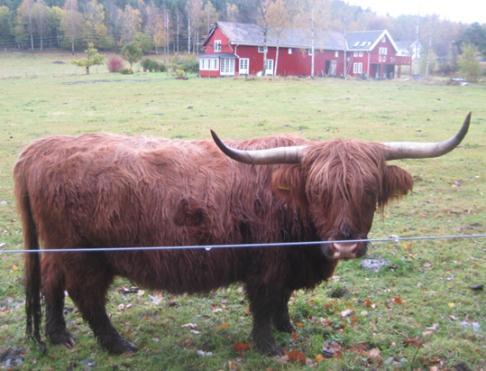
(290, 50)
(383, 51)
(357, 68)
(336, 54)
(214, 65)
(309, 52)
(217, 46)
(244, 66)
(360, 54)
(262, 49)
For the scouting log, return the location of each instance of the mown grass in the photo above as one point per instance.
(411, 312)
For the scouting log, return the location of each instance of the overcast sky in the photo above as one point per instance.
(457, 10)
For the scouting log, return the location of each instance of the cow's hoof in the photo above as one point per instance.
(269, 348)
(284, 327)
(118, 345)
(62, 338)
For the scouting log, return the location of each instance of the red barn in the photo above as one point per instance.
(235, 49)
(374, 54)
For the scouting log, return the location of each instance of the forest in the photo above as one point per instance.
(174, 26)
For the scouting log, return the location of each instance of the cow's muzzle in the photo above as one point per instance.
(344, 250)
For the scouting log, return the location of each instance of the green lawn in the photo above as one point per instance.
(407, 316)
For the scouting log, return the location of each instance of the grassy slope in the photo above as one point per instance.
(429, 280)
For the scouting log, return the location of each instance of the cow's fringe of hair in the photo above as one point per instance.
(32, 263)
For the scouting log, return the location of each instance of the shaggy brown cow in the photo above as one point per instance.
(110, 190)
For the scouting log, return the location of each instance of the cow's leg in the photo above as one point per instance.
(53, 290)
(281, 319)
(261, 306)
(88, 291)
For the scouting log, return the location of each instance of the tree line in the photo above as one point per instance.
(173, 26)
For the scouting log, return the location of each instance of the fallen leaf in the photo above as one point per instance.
(359, 348)
(299, 324)
(223, 326)
(296, 356)
(189, 325)
(14, 268)
(430, 330)
(397, 300)
(241, 347)
(413, 341)
(374, 354)
(233, 366)
(331, 349)
(367, 303)
(294, 336)
(319, 358)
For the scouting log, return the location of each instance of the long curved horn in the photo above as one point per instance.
(278, 155)
(402, 150)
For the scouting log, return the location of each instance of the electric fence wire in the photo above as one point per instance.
(209, 247)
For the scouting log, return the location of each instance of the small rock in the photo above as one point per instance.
(202, 353)
(88, 364)
(12, 358)
(474, 326)
(346, 313)
(375, 264)
(477, 287)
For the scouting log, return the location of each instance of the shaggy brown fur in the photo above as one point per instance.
(108, 190)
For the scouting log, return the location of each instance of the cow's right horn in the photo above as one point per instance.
(402, 150)
(278, 155)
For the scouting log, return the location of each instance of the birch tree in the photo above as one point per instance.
(24, 24)
(72, 22)
(278, 19)
(40, 19)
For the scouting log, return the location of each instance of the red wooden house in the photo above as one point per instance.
(233, 49)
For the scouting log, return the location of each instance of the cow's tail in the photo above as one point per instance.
(32, 270)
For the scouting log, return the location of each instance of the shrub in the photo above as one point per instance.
(180, 74)
(132, 53)
(126, 71)
(191, 66)
(114, 64)
(152, 66)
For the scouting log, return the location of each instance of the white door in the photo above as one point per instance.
(244, 66)
(227, 67)
(269, 67)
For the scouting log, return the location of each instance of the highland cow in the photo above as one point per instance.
(108, 190)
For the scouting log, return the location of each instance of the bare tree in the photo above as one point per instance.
(278, 20)
(25, 21)
(72, 22)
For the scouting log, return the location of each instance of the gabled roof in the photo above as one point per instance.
(367, 40)
(252, 34)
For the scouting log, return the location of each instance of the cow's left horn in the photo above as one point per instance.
(278, 155)
(402, 150)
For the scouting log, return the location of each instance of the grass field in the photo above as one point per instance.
(420, 312)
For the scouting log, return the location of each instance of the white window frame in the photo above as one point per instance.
(227, 67)
(336, 54)
(309, 52)
(217, 46)
(289, 51)
(262, 49)
(383, 50)
(357, 68)
(269, 67)
(214, 64)
(242, 61)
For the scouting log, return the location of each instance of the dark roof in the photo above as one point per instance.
(363, 40)
(252, 34)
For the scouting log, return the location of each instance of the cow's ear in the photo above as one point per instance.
(288, 183)
(396, 182)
